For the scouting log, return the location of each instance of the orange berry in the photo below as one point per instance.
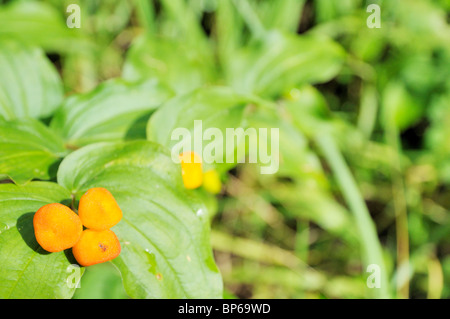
(98, 209)
(56, 227)
(95, 247)
(191, 169)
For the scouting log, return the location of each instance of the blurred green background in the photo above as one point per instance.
(301, 233)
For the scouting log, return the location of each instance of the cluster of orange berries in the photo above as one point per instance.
(193, 175)
(57, 227)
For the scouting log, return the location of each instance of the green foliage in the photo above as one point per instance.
(115, 110)
(218, 108)
(101, 281)
(28, 271)
(29, 150)
(38, 24)
(30, 85)
(164, 232)
(280, 62)
(363, 117)
(177, 64)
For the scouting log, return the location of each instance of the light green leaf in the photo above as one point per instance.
(183, 19)
(279, 62)
(308, 110)
(282, 15)
(115, 110)
(437, 137)
(294, 162)
(229, 30)
(164, 232)
(177, 64)
(399, 108)
(40, 24)
(101, 281)
(26, 270)
(217, 108)
(29, 84)
(29, 149)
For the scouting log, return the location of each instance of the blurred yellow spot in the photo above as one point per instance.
(211, 181)
(191, 170)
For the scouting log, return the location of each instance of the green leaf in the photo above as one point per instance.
(164, 232)
(39, 24)
(294, 162)
(184, 22)
(281, 62)
(28, 271)
(229, 30)
(28, 150)
(29, 84)
(282, 15)
(438, 135)
(115, 110)
(308, 195)
(101, 281)
(217, 108)
(399, 108)
(178, 64)
(308, 110)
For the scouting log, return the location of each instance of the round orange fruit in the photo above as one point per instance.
(95, 247)
(56, 227)
(98, 209)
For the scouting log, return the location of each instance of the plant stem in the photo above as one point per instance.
(401, 216)
(369, 108)
(302, 240)
(372, 250)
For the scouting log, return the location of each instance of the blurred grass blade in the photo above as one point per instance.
(250, 17)
(188, 24)
(146, 14)
(372, 250)
(282, 15)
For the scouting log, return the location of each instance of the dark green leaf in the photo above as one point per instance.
(29, 149)
(115, 110)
